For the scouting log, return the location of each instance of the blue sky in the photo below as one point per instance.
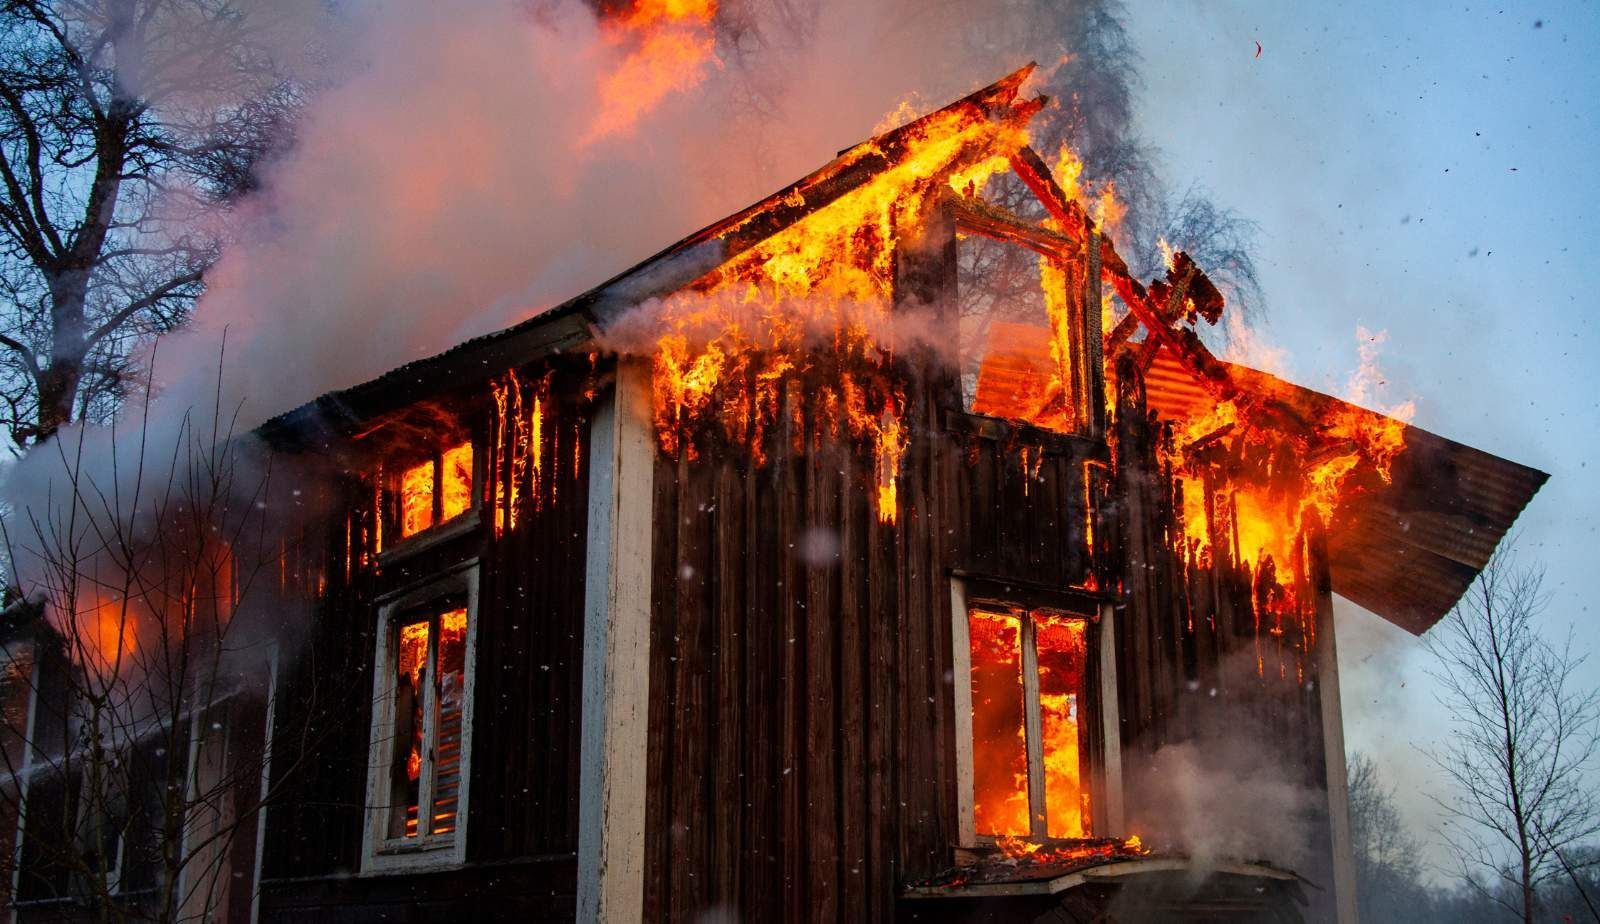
(1424, 169)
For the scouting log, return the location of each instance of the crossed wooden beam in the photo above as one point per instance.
(1167, 310)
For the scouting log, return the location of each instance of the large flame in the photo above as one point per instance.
(668, 47)
(811, 305)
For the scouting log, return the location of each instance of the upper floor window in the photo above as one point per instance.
(1022, 336)
(434, 490)
(422, 713)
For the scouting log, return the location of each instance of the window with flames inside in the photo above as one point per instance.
(429, 492)
(1023, 328)
(423, 777)
(1029, 734)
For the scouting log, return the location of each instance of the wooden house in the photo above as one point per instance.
(795, 574)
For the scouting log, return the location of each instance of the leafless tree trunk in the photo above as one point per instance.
(1524, 735)
(123, 124)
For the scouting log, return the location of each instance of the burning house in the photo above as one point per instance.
(805, 572)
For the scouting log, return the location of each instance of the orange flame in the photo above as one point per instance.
(799, 329)
(416, 498)
(670, 48)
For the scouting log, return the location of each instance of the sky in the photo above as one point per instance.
(1423, 169)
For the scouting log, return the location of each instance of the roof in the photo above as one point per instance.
(574, 323)
(1406, 550)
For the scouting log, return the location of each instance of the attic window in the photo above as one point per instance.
(1021, 342)
(434, 490)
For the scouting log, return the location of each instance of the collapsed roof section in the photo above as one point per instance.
(1406, 550)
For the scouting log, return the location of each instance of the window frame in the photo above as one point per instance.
(390, 504)
(87, 803)
(381, 853)
(1103, 764)
(1083, 330)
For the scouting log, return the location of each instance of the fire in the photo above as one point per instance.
(1068, 170)
(1036, 853)
(999, 733)
(1060, 643)
(1257, 480)
(108, 632)
(416, 498)
(436, 489)
(455, 494)
(670, 46)
(804, 317)
(1000, 736)
(521, 412)
(891, 446)
(413, 657)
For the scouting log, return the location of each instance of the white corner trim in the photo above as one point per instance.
(616, 652)
(25, 775)
(1115, 813)
(1344, 872)
(268, 729)
(961, 671)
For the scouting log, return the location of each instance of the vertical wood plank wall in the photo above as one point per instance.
(522, 827)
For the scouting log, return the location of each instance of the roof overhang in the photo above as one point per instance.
(1407, 549)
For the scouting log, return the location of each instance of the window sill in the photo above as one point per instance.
(418, 858)
(454, 528)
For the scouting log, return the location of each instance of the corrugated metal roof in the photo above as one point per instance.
(1406, 550)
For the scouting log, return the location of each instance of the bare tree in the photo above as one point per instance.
(148, 603)
(123, 124)
(1525, 733)
(1387, 854)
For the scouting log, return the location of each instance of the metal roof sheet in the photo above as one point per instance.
(1406, 550)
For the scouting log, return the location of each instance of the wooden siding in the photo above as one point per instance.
(524, 760)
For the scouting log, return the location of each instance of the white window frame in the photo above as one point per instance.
(379, 853)
(1106, 809)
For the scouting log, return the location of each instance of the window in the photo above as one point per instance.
(102, 833)
(422, 715)
(1030, 705)
(434, 490)
(1021, 336)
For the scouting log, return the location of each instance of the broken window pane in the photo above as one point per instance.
(999, 736)
(1017, 355)
(425, 772)
(416, 498)
(455, 493)
(1060, 644)
(405, 768)
(436, 490)
(449, 697)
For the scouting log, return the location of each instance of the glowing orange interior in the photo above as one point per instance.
(452, 484)
(411, 661)
(999, 728)
(1060, 644)
(416, 498)
(455, 489)
(999, 723)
